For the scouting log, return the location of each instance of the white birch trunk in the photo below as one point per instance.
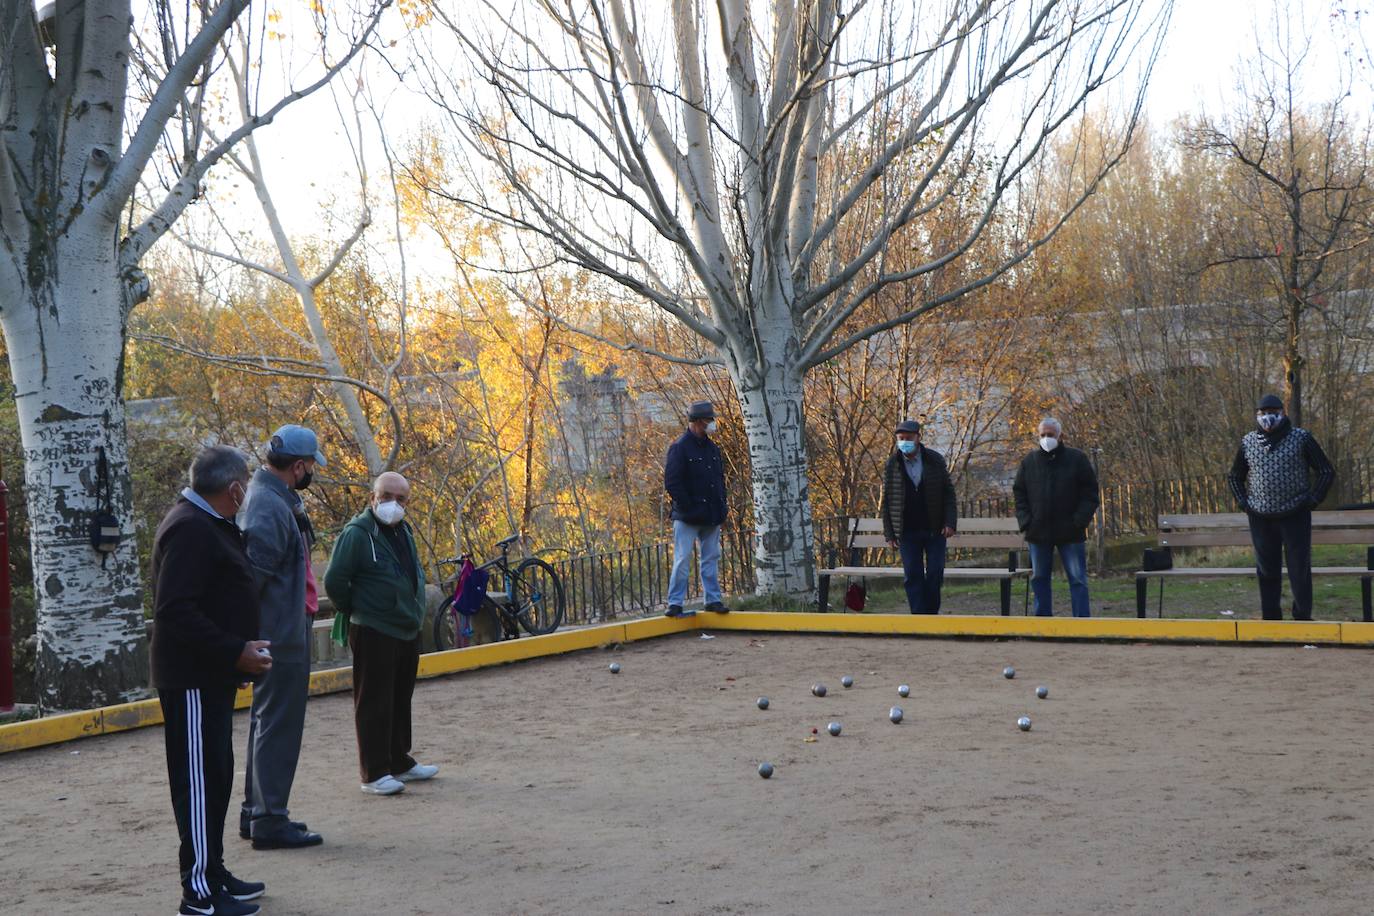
(66, 358)
(770, 397)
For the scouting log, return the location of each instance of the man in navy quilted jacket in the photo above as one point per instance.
(694, 476)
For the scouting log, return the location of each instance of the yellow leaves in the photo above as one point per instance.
(416, 13)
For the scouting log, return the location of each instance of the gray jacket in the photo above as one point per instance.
(276, 549)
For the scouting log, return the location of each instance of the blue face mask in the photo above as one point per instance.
(906, 446)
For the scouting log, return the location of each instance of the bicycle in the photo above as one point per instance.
(528, 596)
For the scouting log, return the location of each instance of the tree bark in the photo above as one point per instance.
(770, 396)
(66, 360)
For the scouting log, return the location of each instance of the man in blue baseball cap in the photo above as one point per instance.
(279, 537)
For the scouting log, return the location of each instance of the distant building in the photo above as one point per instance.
(600, 413)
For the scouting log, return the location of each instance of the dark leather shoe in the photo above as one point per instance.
(246, 830)
(289, 838)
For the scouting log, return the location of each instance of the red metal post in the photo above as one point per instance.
(6, 639)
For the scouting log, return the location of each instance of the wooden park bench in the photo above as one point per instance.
(1231, 529)
(867, 533)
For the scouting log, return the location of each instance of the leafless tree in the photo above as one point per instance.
(749, 169)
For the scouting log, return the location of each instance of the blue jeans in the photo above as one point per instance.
(684, 536)
(1075, 560)
(923, 560)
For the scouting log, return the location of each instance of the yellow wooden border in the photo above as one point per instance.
(946, 625)
(70, 726)
(1357, 634)
(1287, 631)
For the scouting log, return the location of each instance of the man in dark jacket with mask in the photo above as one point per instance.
(1280, 474)
(1056, 498)
(919, 514)
(278, 536)
(694, 476)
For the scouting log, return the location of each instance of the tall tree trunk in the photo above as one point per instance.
(1292, 294)
(771, 403)
(66, 360)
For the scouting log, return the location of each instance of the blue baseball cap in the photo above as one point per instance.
(296, 441)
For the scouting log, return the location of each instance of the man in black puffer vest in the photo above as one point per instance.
(1056, 498)
(1270, 479)
(919, 513)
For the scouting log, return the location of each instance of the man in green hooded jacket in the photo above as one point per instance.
(377, 584)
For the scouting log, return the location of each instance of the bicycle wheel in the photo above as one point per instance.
(537, 595)
(446, 625)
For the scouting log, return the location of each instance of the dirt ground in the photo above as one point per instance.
(1156, 779)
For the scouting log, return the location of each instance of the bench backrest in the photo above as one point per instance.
(973, 532)
(1232, 529)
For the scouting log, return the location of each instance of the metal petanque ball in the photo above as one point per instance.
(615, 667)
(818, 689)
(903, 690)
(765, 769)
(1042, 692)
(833, 728)
(895, 714)
(1023, 723)
(1009, 672)
(763, 702)
(846, 681)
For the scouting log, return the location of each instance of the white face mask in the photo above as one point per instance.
(711, 427)
(390, 512)
(1268, 421)
(1048, 443)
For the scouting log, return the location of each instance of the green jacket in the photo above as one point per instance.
(367, 585)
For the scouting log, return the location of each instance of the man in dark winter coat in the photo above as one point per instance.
(205, 627)
(1280, 474)
(1056, 498)
(919, 514)
(694, 476)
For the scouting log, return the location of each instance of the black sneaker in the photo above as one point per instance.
(715, 607)
(241, 890)
(220, 904)
(674, 610)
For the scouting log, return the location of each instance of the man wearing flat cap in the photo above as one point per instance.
(919, 514)
(1280, 474)
(278, 536)
(694, 476)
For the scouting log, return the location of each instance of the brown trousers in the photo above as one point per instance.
(383, 682)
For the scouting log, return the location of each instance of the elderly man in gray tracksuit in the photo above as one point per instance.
(278, 537)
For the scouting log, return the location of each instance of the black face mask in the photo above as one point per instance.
(304, 481)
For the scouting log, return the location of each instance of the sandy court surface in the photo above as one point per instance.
(1156, 779)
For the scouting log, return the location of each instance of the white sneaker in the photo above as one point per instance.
(418, 772)
(386, 785)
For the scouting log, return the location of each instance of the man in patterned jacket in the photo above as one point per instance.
(1279, 476)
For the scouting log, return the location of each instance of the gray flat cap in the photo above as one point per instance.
(701, 410)
(909, 426)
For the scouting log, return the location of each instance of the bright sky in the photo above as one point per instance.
(1208, 41)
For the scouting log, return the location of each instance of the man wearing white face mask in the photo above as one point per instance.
(1280, 474)
(1056, 497)
(378, 588)
(694, 476)
(919, 513)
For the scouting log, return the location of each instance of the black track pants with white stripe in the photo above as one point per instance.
(200, 772)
